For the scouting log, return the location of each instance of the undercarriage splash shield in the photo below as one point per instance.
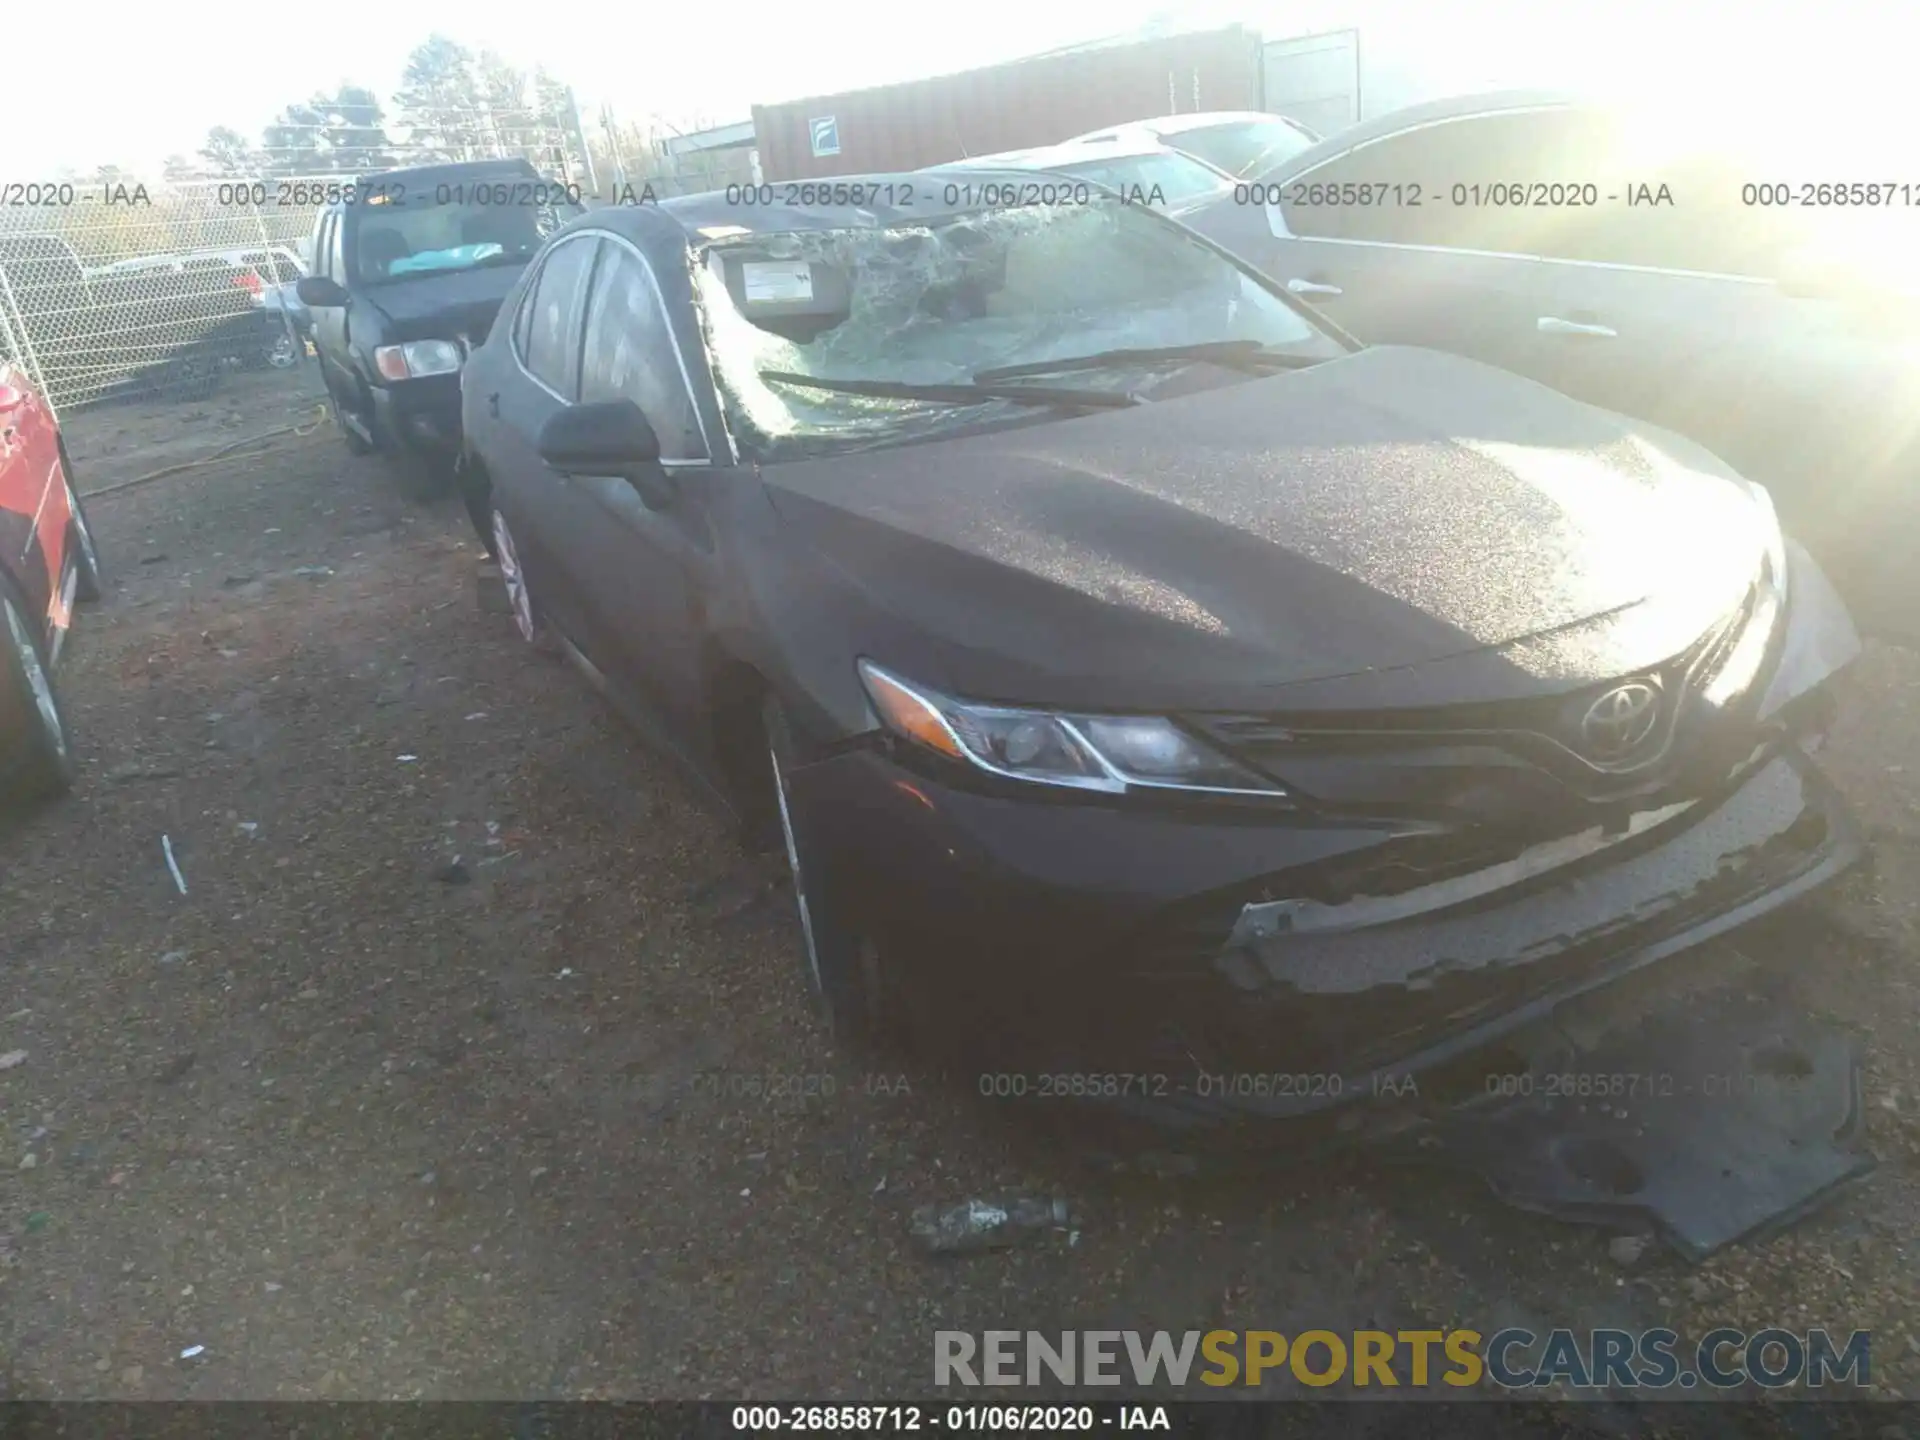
(1709, 1124)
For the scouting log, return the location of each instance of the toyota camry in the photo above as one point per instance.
(1140, 675)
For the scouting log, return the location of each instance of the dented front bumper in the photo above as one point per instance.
(1210, 965)
(1458, 965)
(1050, 944)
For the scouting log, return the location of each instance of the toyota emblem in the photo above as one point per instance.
(1620, 719)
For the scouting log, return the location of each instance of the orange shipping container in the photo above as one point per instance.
(1036, 101)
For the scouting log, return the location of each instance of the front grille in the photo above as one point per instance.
(1533, 767)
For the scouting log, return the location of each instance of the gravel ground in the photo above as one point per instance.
(365, 1123)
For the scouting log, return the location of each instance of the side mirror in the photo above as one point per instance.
(320, 292)
(610, 437)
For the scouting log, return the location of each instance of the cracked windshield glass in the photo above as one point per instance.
(938, 304)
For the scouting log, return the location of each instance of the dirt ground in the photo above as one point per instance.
(364, 1122)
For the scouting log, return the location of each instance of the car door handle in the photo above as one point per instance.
(1554, 325)
(493, 405)
(1311, 287)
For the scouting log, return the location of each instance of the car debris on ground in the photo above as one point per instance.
(978, 1225)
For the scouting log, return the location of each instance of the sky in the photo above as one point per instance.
(159, 77)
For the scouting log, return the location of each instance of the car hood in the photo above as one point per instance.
(441, 307)
(1397, 526)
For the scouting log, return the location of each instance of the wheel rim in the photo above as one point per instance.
(38, 685)
(793, 865)
(514, 578)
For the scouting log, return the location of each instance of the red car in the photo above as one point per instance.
(47, 563)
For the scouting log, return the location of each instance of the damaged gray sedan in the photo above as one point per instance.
(1153, 690)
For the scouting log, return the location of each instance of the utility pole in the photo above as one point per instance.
(613, 148)
(580, 138)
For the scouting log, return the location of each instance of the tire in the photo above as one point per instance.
(89, 580)
(36, 761)
(843, 969)
(191, 378)
(354, 442)
(526, 614)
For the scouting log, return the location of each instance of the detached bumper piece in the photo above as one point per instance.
(1713, 1125)
(1705, 1115)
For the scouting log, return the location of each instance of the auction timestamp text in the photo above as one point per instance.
(899, 1419)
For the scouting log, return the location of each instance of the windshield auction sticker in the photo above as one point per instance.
(774, 281)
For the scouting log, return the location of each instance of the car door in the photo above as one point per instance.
(642, 570)
(329, 322)
(34, 512)
(1670, 309)
(1412, 238)
(551, 518)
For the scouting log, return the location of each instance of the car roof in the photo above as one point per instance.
(1140, 138)
(1427, 112)
(1067, 152)
(892, 199)
(1203, 119)
(36, 240)
(1159, 125)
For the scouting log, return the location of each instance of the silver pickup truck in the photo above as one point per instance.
(270, 274)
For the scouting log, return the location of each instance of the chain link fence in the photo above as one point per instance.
(120, 290)
(125, 289)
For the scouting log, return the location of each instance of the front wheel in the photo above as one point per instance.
(513, 575)
(286, 349)
(844, 970)
(355, 441)
(35, 759)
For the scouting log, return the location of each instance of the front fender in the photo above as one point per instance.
(1821, 639)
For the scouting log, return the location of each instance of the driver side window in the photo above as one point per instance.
(629, 354)
(1449, 184)
(331, 264)
(1687, 216)
(523, 313)
(552, 348)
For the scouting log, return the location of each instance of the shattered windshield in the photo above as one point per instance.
(938, 302)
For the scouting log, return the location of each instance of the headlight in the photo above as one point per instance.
(1112, 753)
(416, 358)
(1741, 668)
(1776, 539)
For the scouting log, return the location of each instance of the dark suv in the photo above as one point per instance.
(409, 268)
